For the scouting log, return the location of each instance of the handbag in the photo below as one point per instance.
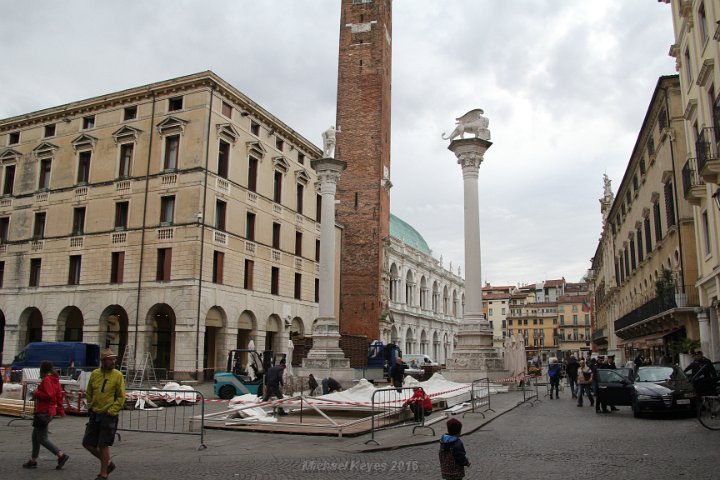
(41, 420)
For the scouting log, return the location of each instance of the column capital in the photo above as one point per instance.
(328, 172)
(469, 152)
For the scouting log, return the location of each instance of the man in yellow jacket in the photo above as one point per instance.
(105, 398)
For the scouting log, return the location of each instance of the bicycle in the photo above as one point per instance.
(708, 411)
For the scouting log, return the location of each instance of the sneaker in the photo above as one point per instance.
(30, 464)
(62, 461)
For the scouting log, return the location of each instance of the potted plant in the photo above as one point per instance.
(665, 290)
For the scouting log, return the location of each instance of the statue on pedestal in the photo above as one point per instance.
(328, 138)
(472, 122)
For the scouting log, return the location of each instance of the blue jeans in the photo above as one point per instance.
(584, 388)
(40, 437)
(572, 383)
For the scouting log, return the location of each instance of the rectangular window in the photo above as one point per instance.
(633, 265)
(250, 227)
(252, 174)
(175, 103)
(279, 143)
(49, 130)
(638, 235)
(648, 238)
(4, 229)
(298, 286)
(562, 319)
(705, 233)
(35, 265)
(167, 210)
(658, 225)
(2, 274)
(9, 182)
(126, 155)
(172, 146)
(78, 227)
(317, 290)
(490, 311)
(39, 228)
(688, 66)
(130, 113)
(13, 138)
(298, 244)
(218, 261)
(299, 197)
(277, 187)
(227, 109)
(74, 272)
(587, 319)
(248, 280)
(317, 250)
(44, 179)
(276, 236)
(164, 263)
(575, 320)
(669, 204)
(274, 280)
(223, 159)
(121, 215)
(117, 267)
(220, 212)
(88, 122)
(255, 128)
(702, 20)
(83, 173)
(301, 158)
(318, 208)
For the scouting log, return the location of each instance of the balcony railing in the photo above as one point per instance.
(705, 147)
(657, 305)
(691, 179)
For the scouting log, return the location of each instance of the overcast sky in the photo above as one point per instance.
(565, 84)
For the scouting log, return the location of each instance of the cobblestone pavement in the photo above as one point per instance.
(552, 440)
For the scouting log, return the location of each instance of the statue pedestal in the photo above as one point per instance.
(325, 358)
(474, 357)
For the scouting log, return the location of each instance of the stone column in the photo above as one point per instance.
(326, 354)
(474, 354)
(704, 326)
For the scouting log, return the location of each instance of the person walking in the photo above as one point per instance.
(274, 382)
(48, 403)
(584, 381)
(453, 458)
(397, 373)
(105, 398)
(572, 372)
(702, 374)
(554, 376)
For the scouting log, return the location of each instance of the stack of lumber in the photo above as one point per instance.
(14, 408)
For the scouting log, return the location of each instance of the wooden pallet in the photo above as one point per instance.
(14, 408)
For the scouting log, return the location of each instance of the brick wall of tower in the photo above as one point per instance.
(363, 114)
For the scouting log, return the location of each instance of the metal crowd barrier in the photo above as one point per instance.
(28, 406)
(480, 397)
(389, 411)
(529, 387)
(176, 412)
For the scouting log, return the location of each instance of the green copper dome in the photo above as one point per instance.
(407, 234)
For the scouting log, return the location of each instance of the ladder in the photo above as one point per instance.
(146, 371)
(128, 362)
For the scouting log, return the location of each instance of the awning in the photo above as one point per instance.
(652, 340)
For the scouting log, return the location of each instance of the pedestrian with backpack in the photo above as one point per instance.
(453, 459)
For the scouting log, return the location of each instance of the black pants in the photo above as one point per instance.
(419, 413)
(555, 385)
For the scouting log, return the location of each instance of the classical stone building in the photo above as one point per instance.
(648, 229)
(180, 217)
(698, 57)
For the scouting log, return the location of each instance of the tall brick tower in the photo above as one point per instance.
(363, 115)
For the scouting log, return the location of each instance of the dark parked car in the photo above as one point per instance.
(654, 389)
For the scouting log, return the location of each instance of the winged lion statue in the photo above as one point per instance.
(472, 122)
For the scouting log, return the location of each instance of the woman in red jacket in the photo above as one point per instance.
(420, 404)
(48, 403)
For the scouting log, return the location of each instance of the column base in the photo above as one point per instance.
(325, 353)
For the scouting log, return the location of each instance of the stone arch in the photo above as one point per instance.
(394, 335)
(161, 341)
(297, 327)
(436, 346)
(394, 282)
(454, 303)
(423, 293)
(214, 349)
(113, 329)
(435, 297)
(446, 300)
(30, 327)
(70, 325)
(247, 330)
(423, 342)
(409, 340)
(274, 337)
(410, 288)
(446, 347)
(462, 303)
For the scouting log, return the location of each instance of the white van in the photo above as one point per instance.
(419, 359)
